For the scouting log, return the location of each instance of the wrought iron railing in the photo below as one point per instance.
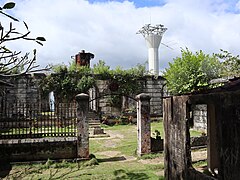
(21, 120)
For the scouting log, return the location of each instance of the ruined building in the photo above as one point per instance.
(26, 89)
(223, 129)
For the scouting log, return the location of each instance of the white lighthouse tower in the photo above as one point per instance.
(153, 37)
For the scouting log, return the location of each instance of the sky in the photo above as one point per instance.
(107, 28)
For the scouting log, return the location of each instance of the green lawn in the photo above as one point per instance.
(159, 126)
(102, 171)
(115, 158)
(55, 129)
(126, 145)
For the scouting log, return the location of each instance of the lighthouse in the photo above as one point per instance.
(153, 36)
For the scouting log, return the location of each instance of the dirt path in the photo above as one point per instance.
(116, 137)
(114, 140)
(199, 155)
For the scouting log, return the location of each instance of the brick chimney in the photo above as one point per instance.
(83, 59)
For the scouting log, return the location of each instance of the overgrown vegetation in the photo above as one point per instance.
(230, 64)
(68, 81)
(191, 71)
(126, 80)
(194, 71)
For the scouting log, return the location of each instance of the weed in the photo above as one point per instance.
(151, 156)
(91, 162)
(156, 166)
(91, 156)
(48, 164)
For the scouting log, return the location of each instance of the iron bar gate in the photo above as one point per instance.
(20, 120)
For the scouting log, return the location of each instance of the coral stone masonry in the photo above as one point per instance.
(143, 124)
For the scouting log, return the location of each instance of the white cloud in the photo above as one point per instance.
(238, 5)
(109, 29)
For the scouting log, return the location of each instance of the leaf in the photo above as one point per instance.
(9, 5)
(40, 39)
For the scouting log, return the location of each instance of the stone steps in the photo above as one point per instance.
(95, 129)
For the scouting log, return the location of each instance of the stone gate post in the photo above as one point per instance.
(143, 124)
(82, 126)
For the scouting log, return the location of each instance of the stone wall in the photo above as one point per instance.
(196, 142)
(37, 149)
(155, 87)
(25, 91)
(103, 103)
(200, 117)
(151, 85)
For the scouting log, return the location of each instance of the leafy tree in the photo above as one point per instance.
(101, 69)
(230, 64)
(11, 64)
(191, 71)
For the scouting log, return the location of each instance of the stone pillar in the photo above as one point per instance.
(82, 126)
(143, 124)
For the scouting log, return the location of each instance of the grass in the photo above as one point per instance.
(194, 133)
(122, 164)
(102, 166)
(152, 156)
(71, 170)
(104, 171)
(34, 130)
(127, 144)
(159, 126)
(200, 164)
(56, 129)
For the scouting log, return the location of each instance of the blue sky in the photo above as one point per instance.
(138, 3)
(154, 3)
(108, 28)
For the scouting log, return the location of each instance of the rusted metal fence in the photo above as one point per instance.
(20, 120)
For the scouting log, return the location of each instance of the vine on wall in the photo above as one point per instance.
(67, 81)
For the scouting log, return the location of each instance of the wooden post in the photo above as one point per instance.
(82, 126)
(212, 145)
(143, 124)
